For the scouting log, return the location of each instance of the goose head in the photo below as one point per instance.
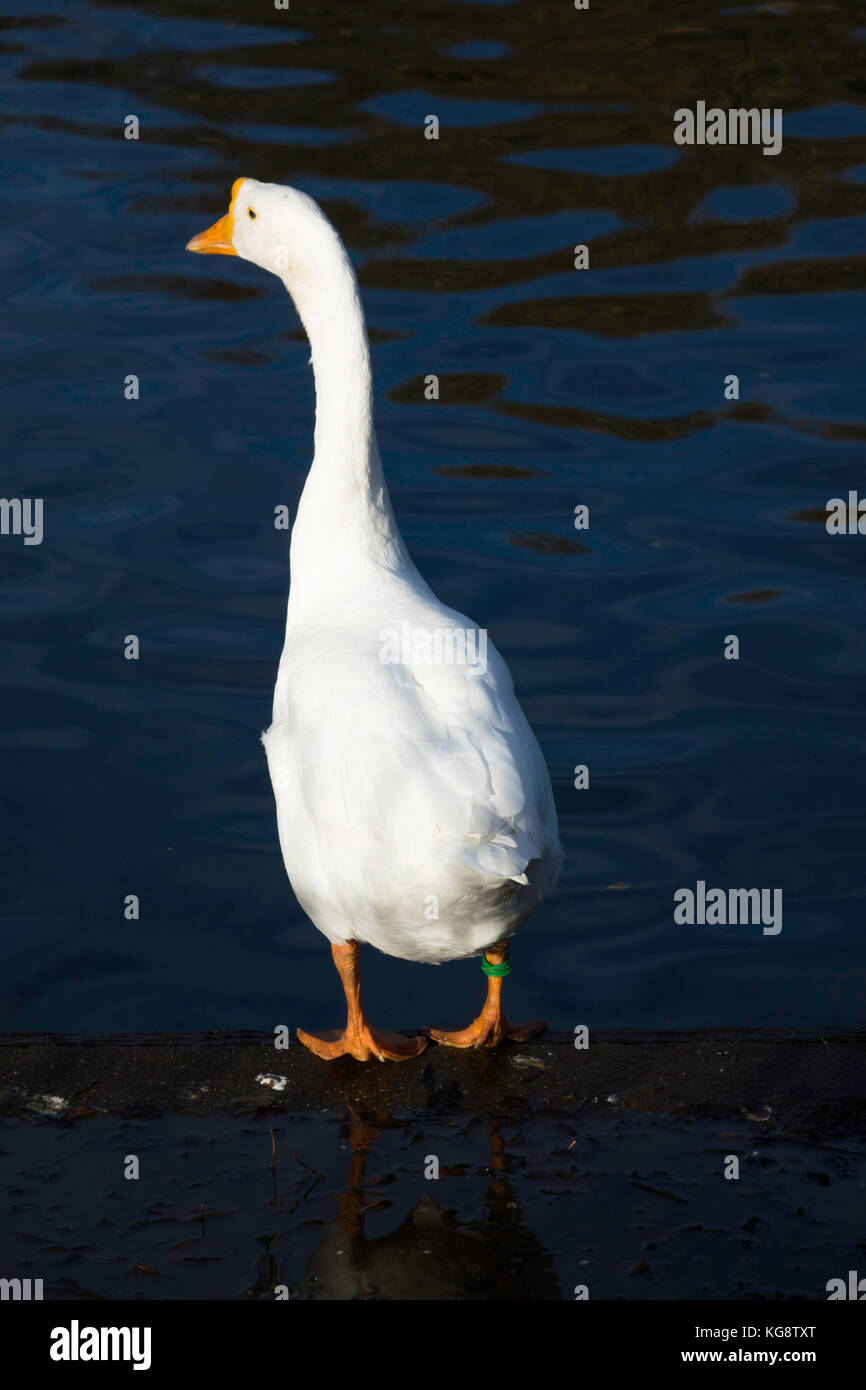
(276, 227)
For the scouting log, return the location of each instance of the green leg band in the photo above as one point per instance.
(497, 971)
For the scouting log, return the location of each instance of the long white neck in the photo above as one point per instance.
(345, 525)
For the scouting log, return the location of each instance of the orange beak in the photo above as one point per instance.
(218, 239)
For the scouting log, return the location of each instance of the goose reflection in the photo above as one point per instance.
(432, 1255)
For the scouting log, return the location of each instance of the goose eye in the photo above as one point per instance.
(251, 214)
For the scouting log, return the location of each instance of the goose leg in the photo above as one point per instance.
(492, 1026)
(358, 1038)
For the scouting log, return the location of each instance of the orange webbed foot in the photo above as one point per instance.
(363, 1043)
(488, 1030)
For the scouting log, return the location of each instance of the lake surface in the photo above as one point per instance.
(559, 388)
(530, 1209)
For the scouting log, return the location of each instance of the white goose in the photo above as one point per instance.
(414, 806)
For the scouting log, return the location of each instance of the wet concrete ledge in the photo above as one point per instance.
(810, 1083)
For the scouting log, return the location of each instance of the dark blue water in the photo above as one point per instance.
(558, 388)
